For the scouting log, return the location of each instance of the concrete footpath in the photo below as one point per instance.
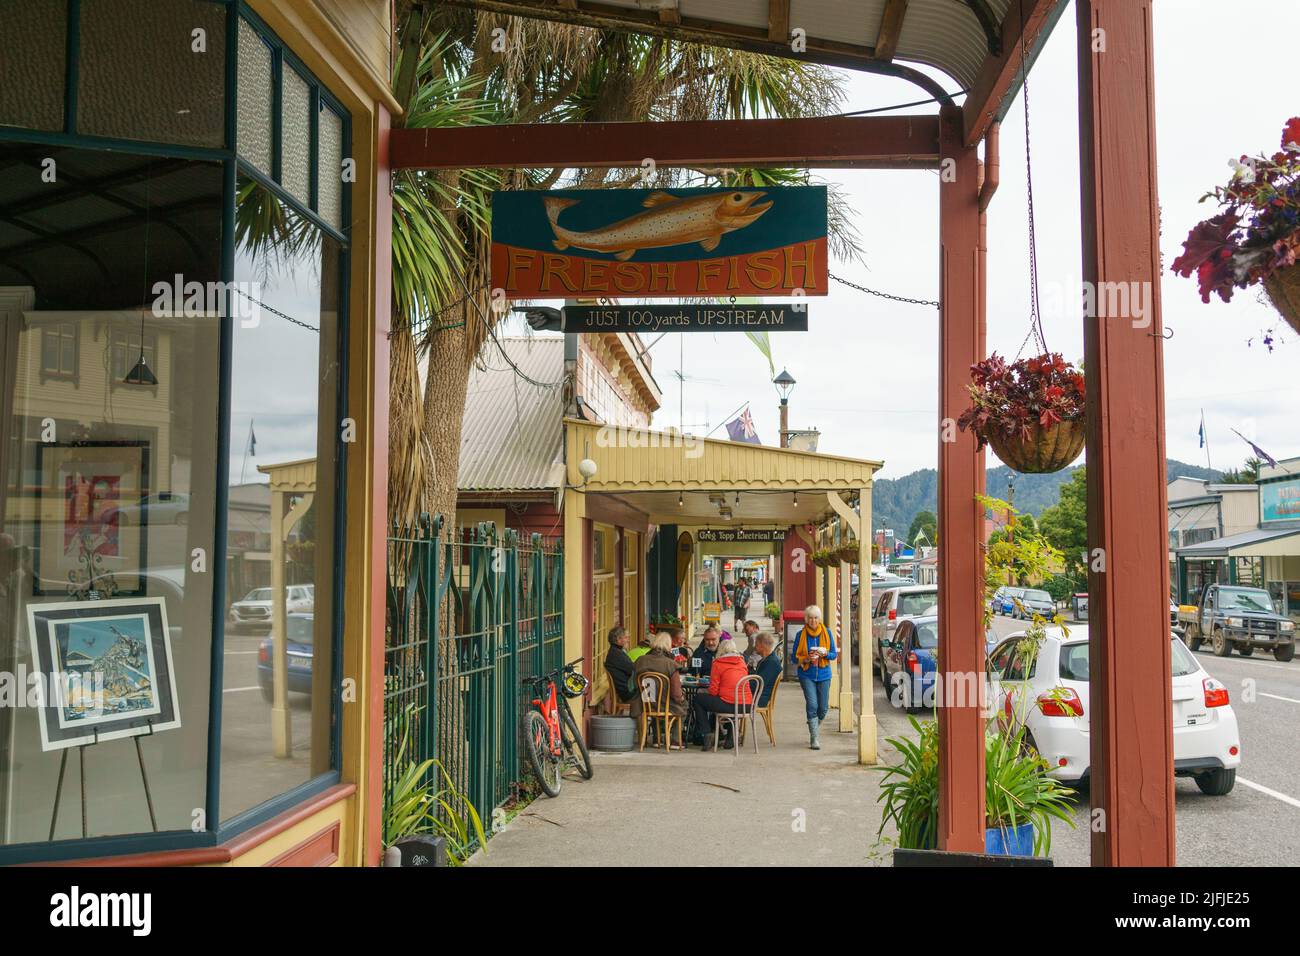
(787, 805)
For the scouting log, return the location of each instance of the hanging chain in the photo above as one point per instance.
(287, 318)
(1035, 309)
(883, 295)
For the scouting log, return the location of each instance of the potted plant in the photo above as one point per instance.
(848, 553)
(1020, 799)
(773, 611)
(1030, 411)
(1256, 234)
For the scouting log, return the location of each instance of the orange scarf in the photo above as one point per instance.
(801, 646)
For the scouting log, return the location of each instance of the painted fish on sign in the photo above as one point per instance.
(664, 243)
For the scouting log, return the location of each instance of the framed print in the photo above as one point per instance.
(107, 670)
(91, 528)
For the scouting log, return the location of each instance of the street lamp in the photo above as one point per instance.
(784, 383)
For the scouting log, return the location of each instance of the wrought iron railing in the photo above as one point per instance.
(471, 613)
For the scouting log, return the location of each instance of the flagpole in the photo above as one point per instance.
(1205, 437)
(247, 443)
(726, 419)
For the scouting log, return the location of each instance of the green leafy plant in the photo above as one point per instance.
(1019, 554)
(415, 805)
(910, 790)
(1018, 789)
(773, 611)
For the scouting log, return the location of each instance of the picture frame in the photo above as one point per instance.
(91, 528)
(107, 670)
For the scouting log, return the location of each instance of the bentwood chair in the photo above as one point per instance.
(613, 706)
(740, 713)
(768, 711)
(656, 705)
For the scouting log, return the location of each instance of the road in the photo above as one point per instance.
(1258, 823)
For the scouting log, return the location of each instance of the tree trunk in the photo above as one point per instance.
(445, 391)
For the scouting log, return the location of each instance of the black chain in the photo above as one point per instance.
(287, 318)
(883, 295)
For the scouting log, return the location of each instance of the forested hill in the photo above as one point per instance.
(895, 501)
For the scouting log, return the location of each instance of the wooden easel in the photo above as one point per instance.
(81, 761)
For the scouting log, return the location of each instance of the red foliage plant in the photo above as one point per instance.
(1258, 230)
(1012, 398)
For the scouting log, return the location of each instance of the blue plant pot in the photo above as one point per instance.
(1016, 841)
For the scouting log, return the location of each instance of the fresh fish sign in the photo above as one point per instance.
(663, 243)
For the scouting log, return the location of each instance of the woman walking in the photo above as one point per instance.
(814, 647)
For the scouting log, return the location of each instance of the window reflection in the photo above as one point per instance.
(106, 489)
(277, 707)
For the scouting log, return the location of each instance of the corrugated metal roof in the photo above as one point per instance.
(512, 434)
(1220, 546)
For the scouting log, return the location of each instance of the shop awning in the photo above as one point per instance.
(1257, 543)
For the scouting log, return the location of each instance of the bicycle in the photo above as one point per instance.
(550, 732)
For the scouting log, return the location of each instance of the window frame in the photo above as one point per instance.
(73, 377)
(216, 832)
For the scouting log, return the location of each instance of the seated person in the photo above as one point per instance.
(619, 666)
(659, 658)
(642, 645)
(769, 666)
(727, 672)
(705, 652)
(681, 652)
(751, 653)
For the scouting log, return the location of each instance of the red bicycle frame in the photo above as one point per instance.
(550, 712)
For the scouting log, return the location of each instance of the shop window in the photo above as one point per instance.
(255, 98)
(105, 499)
(277, 715)
(602, 552)
(33, 63)
(330, 200)
(59, 351)
(295, 127)
(153, 71)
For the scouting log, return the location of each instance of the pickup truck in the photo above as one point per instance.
(1231, 615)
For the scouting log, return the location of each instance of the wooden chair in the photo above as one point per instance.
(656, 704)
(613, 706)
(768, 712)
(738, 717)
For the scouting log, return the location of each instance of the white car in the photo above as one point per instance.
(255, 611)
(1051, 701)
(897, 604)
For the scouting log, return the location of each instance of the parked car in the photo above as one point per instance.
(1232, 615)
(165, 507)
(254, 611)
(907, 666)
(897, 604)
(1031, 601)
(299, 649)
(1048, 695)
(1004, 599)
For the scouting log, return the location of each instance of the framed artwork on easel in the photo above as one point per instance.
(91, 534)
(108, 670)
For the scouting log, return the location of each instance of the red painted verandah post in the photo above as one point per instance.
(1131, 728)
(961, 478)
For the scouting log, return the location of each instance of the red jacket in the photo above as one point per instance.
(727, 672)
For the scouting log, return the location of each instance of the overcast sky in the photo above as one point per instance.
(867, 370)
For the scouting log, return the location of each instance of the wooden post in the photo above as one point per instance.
(1131, 731)
(281, 723)
(961, 478)
(866, 701)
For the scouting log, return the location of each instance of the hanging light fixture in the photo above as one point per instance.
(679, 499)
(141, 373)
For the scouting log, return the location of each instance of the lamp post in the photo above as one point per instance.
(784, 383)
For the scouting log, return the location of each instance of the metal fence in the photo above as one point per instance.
(471, 613)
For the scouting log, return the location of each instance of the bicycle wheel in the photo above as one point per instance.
(573, 743)
(537, 742)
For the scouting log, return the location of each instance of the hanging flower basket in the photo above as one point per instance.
(1283, 288)
(1255, 238)
(848, 553)
(824, 558)
(1030, 411)
(1041, 450)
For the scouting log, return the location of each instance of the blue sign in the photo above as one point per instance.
(1279, 500)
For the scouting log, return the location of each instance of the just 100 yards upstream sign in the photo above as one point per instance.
(782, 317)
(659, 244)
